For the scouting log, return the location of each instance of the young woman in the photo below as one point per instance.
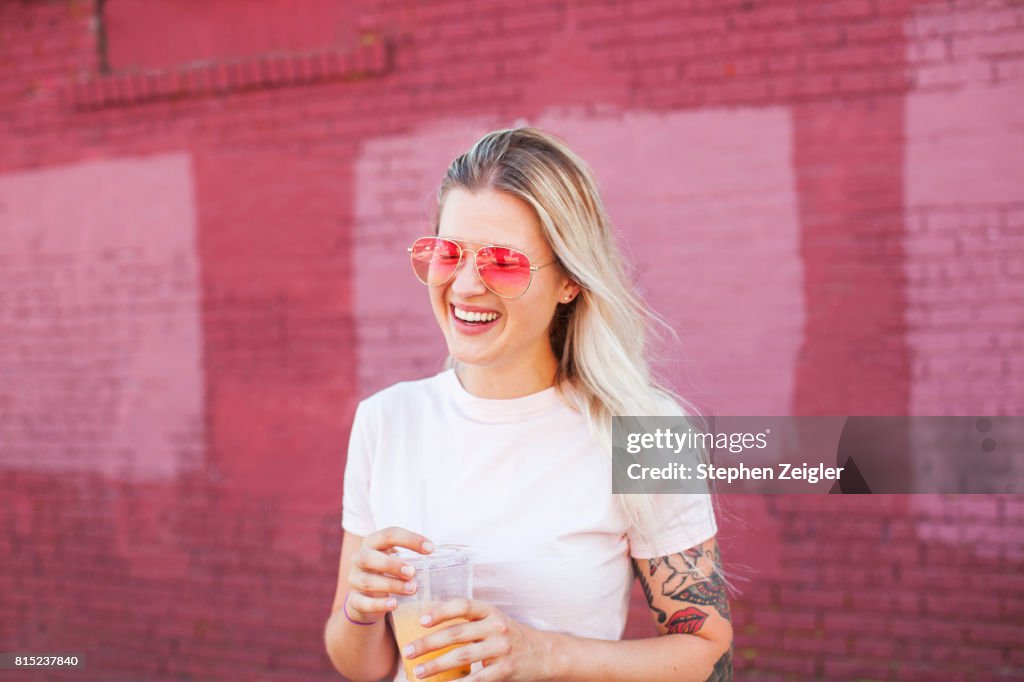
(547, 342)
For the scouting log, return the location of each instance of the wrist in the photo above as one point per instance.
(555, 656)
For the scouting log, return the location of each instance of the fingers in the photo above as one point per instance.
(483, 635)
(368, 581)
(365, 607)
(370, 584)
(456, 608)
(374, 561)
(393, 536)
(463, 657)
(459, 633)
(375, 574)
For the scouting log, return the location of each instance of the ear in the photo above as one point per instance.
(569, 291)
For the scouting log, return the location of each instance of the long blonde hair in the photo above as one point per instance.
(602, 338)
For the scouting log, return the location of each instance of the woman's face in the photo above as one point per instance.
(519, 335)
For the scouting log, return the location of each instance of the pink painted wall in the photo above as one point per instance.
(203, 270)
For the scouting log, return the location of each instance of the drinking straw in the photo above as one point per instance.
(424, 584)
(424, 507)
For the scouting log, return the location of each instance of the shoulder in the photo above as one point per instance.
(403, 396)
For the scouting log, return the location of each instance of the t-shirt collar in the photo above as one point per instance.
(499, 409)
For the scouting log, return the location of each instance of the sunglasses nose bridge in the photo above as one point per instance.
(464, 264)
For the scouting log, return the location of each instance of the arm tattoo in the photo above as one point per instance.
(691, 577)
(687, 621)
(647, 591)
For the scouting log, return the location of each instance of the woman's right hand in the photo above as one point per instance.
(376, 573)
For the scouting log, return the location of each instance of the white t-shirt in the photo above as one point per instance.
(524, 484)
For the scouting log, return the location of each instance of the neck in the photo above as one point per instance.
(505, 382)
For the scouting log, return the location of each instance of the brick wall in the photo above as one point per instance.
(201, 272)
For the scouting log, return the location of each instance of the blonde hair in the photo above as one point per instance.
(602, 338)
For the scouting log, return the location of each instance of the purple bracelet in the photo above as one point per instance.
(344, 609)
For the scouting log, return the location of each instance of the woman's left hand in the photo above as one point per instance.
(510, 651)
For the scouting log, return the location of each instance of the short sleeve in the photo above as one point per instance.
(683, 521)
(356, 513)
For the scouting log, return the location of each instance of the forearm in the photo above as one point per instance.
(362, 653)
(679, 658)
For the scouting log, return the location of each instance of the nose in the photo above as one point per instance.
(467, 280)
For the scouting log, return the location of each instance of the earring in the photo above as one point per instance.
(566, 298)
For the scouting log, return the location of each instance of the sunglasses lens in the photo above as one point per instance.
(434, 260)
(506, 272)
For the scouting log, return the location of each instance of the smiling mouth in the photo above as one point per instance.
(473, 319)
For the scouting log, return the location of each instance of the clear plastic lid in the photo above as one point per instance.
(443, 556)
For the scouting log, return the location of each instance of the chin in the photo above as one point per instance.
(468, 357)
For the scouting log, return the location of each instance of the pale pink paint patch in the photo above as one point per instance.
(964, 180)
(101, 341)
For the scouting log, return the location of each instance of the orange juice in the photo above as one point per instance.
(408, 629)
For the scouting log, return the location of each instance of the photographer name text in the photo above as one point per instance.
(710, 472)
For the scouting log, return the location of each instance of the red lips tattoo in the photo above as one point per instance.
(687, 621)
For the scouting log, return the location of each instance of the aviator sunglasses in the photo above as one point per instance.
(504, 271)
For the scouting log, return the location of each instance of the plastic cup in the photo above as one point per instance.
(445, 574)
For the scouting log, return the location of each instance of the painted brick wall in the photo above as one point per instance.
(201, 272)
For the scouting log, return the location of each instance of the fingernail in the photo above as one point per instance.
(407, 651)
(425, 619)
(408, 571)
(410, 586)
(418, 671)
(428, 546)
(391, 603)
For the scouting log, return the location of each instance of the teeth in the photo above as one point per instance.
(467, 316)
